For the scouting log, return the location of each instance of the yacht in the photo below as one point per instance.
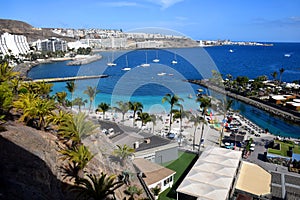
(156, 60)
(175, 59)
(111, 63)
(287, 55)
(145, 64)
(161, 74)
(231, 51)
(126, 68)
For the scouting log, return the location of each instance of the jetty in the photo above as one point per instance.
(254, 102)
(70, 78)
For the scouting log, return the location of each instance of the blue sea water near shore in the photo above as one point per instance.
(149, 84)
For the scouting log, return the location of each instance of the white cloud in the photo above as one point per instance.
(119, 4)
(165, 3)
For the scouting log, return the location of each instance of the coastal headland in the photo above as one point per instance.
(274, 111)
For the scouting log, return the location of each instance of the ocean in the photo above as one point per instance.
(149, 84)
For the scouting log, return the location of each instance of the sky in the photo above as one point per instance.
(236, 20)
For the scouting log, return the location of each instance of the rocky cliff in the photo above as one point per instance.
(30, 164)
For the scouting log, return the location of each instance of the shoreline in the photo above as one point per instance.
(270, 109)
(25, 67)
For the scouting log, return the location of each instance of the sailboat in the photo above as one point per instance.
(156, 60)
(111, 63)
(126, 68)
(175, 59)
(145, 64)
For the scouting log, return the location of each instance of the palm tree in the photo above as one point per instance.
(135, 107)
(6, 72)
(97, 188)
(6, 98)
(173, 100)
(154, 118)
(227, 105)
(144, 118)
(78, 101)
(33, 107)
(103, 107)
(59, 117)
(205, 103)
(76, 128)
(123, 108)
(180, 114)
(203, 121)
(123, 152)
(42, 108)
(43, 89)
(281, 70)
(91, 92)
(132, 191)
(71, 87)
(61, 98)
(78, 157)
(195, 119)
(274, 75)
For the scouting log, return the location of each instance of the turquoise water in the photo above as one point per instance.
(149, 85)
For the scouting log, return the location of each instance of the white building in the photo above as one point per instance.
(76, 45)
(155, 175)
(53, 44)
(17, 44)
(111, 42)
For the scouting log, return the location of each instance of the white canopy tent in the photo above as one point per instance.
(212, 175)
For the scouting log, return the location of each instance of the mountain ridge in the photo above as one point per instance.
(18, 27)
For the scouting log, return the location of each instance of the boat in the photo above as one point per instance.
(126, 68)
(190, 96)
(145, 64)
(156, 60)
(231, 51)
(111, 63)
(287, 55)
(171, 74)
(175, 59)
(161, 74)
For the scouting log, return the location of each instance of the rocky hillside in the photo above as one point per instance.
(31, 33)
(30, 164)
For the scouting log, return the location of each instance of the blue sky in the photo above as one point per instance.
(253, 20)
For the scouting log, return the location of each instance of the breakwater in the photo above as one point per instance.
(268, 108)
(85, 60)
(48, 80)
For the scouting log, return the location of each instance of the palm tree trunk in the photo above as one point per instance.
(170, 123)
(180, 133)
(202, 130)
(194, 138)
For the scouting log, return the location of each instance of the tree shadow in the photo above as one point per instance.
(24, 175)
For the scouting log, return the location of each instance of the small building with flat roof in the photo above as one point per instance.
(155, 175)
(148, 146)
(253, 181)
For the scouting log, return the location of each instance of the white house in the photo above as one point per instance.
(155, 175)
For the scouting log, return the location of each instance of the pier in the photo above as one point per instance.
(72, 78)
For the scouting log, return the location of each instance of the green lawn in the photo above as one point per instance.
(182, 166)
(284, 147)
